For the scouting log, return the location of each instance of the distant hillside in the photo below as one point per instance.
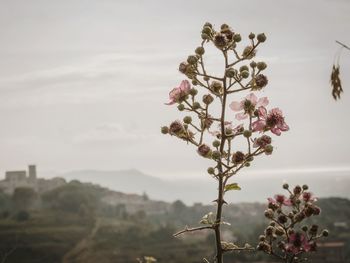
(256, 188)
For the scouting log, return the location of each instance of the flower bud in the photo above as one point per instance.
(291, 231)
(208, 25)
(317, 210)
(187, 119)
(261, 65)
(238, 157)
(216, 87)
(247, 164)
(207, 30)
(325, 233)
(253, 64)
(313, 230)
(200, 51)
(193, 91)
(244, 68)
(251, 36)
(262, 238)
(237, 38)
(250, 159)
(282, 219)
(261, 81)
(220, 40)
(305, 187)
(216, 155)
(297, 190)
(268, 149)
(304, 228)
(272, 223)
(205, 36)
(183, 67)
(194, 82)
(285, 186)
(261, 37)
(248, 52)
(279, 231)
(269, 231)
(230, 72)
(216, 143)
(176, 127)
(204, 150)
(192, 60)
(269, 213)
(245, 74)
(211, 170)
(165, 130)
(196, 105)
(207, 99)
(180, 107)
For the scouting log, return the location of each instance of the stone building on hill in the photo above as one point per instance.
(15, 179)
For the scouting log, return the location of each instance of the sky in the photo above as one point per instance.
(83, 83)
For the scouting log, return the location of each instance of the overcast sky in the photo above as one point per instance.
(83, 83)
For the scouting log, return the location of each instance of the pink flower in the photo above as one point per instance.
(248, 105)
(273, 121)
(228, 125)
(179, 93)
(298, 243)
(309, 197)
(279, 200)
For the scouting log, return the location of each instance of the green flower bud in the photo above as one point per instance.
(250, 159)
(247, 164)
(205, 36)
(247, 133)
(207, 30)
(230, 72)
(211, 170)
(193, 92)
(216, 143)
(237, 38)
(261, 65)
(245, 74)
(194, 82)
(325, 233)
(285, 186)
(251, 36)
(192, 60)
(181, 107)
(305, 187)
(243, 68)
(269, 213)
(216, 155)
(261, 37)
(208, 25)
(200, 51)
(187, 119)
(253, 64)
(196, 105)
(165, 130)
(206, 78)
(268, 149)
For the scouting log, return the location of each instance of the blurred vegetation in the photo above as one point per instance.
(72, 223)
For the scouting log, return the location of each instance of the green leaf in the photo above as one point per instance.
(233, 186)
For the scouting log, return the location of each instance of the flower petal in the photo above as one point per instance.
(262, 112)
(252, 98)
(241, 116)
(264, 101)
(236, 106)
(276, 131)
(258, 125)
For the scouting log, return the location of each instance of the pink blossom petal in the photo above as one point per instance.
(252, 98)
(258, 125)
(276, 131)
(262, 102)
(283, 126)
(262, 112)
(241, 116)
(236, 106)
(185, 86)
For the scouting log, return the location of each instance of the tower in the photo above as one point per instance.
(32, 172)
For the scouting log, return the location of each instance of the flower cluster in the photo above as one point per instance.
(283, 237)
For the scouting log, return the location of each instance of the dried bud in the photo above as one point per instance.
(262, 141)
(238, 157)
(204, 150)
(263, 246)
(309, 210)
(261, 37)
(206, 122)
(207, 30)
(313, 230)
(291, 231)
(269, 213)
(207, 99)
(183, 67)
(269, 231)
(196, 105)
(251, 36)
(220, 40)
(262, 238)
(237, 38)
(165, 130)
(261, 81)
(299, 217)
(297, 190)
(200, 51)
(216, 87)
(243, 68)
(176, 127)
(279, 231)
(282, 219)
(253, 64)
(317, 210)
(304, 228)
